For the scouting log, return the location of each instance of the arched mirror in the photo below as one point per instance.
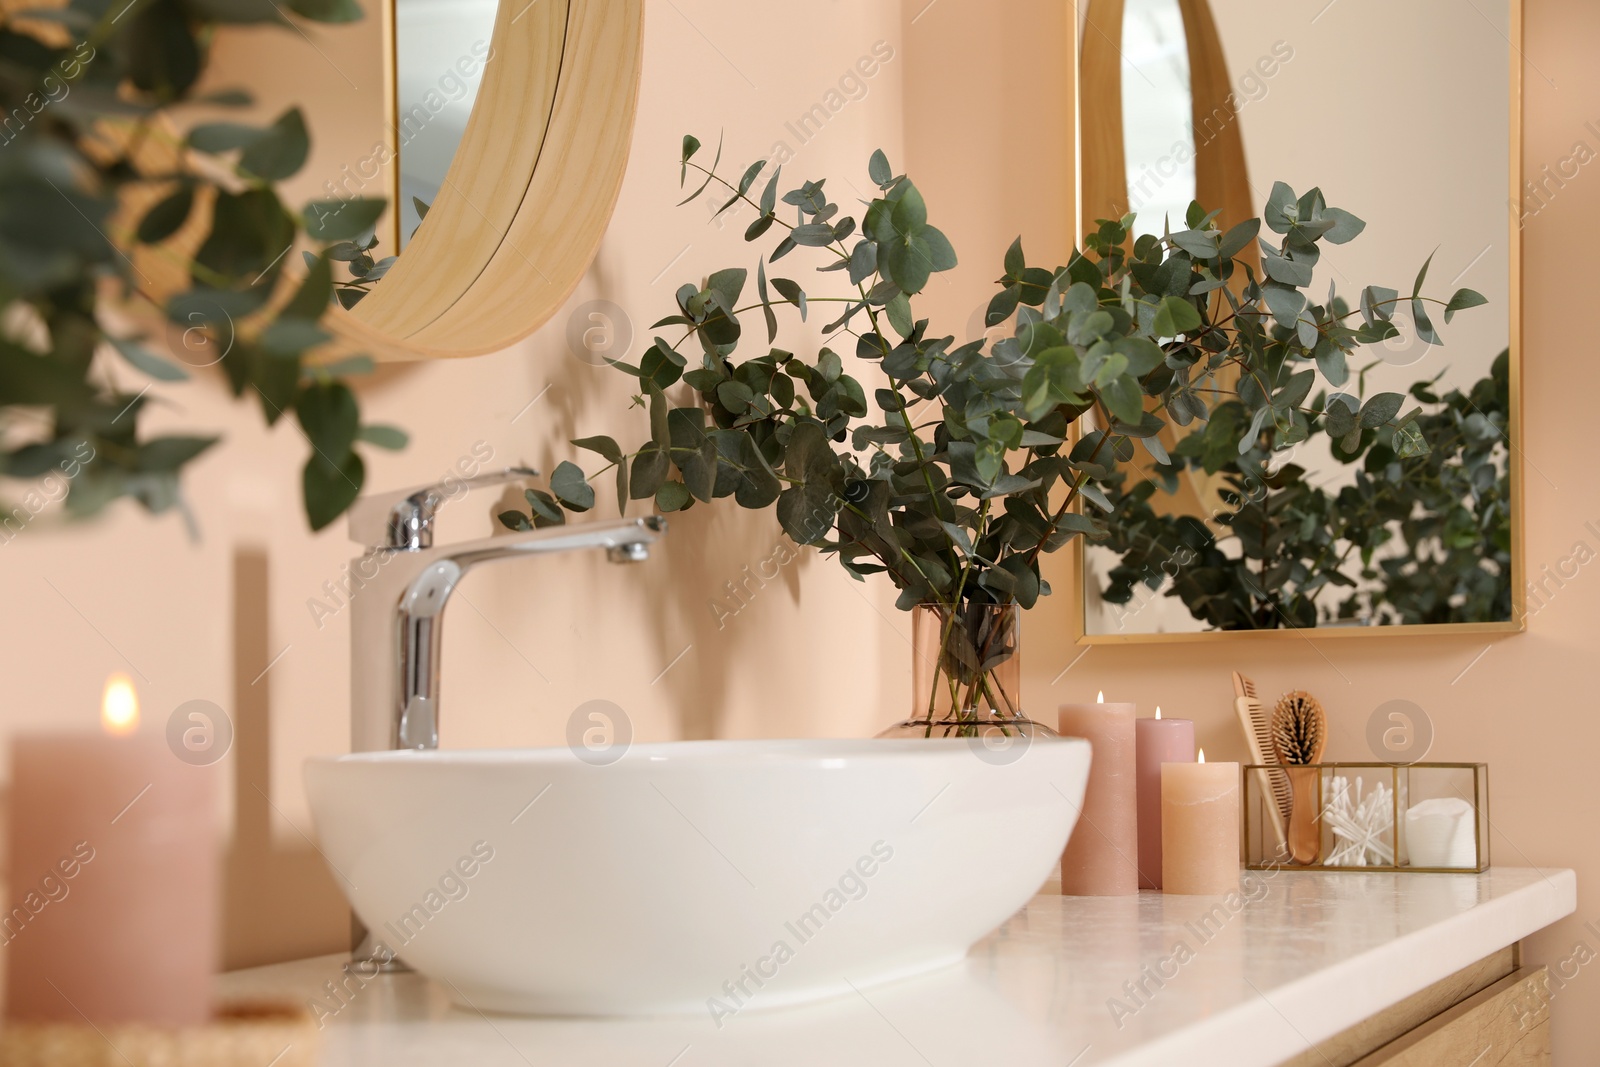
(511, 123)
(1403, 114)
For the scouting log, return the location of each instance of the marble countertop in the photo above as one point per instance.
(1078, 981)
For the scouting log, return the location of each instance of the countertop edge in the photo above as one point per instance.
(1289, 1019)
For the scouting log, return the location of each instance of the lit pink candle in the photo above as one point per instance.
(1200, 827)
(113, 877)
(1101, 857)
(1157, 741)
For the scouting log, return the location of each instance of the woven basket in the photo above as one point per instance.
(246, 1035)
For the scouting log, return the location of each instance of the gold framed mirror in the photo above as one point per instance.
(1408, 116)
(528, 191)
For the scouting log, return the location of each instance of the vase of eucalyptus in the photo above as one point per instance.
(964, 462)
(966, 671)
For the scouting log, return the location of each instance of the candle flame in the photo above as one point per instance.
(1101, 699)
(1158, 711)
(119, 707)
(1202, 758)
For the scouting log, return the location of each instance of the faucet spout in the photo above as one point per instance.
(418, 613)
(396, 629)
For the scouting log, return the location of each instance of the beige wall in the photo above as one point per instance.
(529, 643)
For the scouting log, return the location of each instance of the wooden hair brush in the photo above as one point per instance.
(1299, 734)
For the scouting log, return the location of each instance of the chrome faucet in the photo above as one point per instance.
(396, 614)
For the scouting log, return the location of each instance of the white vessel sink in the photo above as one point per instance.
(696, 876)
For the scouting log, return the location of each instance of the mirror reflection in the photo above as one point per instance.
(441, 48)
(1401, 114)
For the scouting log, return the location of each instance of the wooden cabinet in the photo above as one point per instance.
(1494, 1013)
(1506, 1025)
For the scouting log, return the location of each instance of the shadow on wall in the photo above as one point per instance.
(280, 902)
(717, 560)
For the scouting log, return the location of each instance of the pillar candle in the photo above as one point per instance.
(1157, 741)
(112, 882)
(1200, 827)
(1102, 855)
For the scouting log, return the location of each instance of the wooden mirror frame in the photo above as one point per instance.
(1102, 184)
(529, 192)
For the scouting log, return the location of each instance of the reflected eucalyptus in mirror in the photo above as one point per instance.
(1421, 534)
(1417, 538)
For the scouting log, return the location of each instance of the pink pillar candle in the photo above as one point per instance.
(1157, 741)
(1101, 856)
(112, 882)
(1200, 828)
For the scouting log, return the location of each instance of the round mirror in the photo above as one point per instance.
(522, 194)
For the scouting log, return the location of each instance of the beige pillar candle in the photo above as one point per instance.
(1101, 859)
(1200, 827)
(112, 884)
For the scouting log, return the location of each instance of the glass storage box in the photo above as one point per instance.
(1367, 816)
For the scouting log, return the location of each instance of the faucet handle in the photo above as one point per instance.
(403, 518)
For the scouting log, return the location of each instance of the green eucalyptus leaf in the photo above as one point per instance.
(390, 437)
(147, 361)
(605, 446)
(1331, 362)
(170, 453)
(1285, 304)
(341, 220)
(250, 235)
(546, 512)
(330, 417)
(281, 150)
(570, 486)
(329, 11)
(1282, 209)
(650, 467)
(660, 367)
(1463, 299)
(1124, 397)
(1238, 238)
(311, 299)
(672, 496)
(1054, 379)
(879, 171)
(286, 337)
(1379, 409)
(1424, 325)
(766, 301)
(1198, 243)
(1175, 316)
(899, 311)
(1416, 288)
(330, 486)
(791, 292)
(167, 216)
(1258, 423)
(1346, 227)
(691, 145)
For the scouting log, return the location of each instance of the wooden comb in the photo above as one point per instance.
(1258, 737)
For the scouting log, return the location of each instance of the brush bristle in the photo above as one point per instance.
(1298, 725)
